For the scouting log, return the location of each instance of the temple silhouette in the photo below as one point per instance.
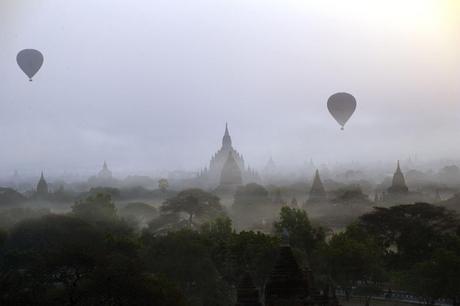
(226, 169)
(42, 191)
(398, 192)
(287, 285)
(104, 178)
(317, 193)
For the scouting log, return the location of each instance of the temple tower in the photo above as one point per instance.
(105, 173)
(287, 284)
(227, 140)
(231, 176)
(398, 185)
(211, 178)
(42, 187)
(317, 192)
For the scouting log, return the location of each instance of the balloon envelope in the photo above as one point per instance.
(341, 106)
(30, 61)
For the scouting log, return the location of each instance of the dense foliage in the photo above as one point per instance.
(191, 254)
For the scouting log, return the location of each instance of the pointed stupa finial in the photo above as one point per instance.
(317, 191)
(226, 140)
(399, 182)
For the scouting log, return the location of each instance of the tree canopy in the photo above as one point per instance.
(195, 203)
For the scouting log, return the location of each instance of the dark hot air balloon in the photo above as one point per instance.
(341, 106)
(30, 61)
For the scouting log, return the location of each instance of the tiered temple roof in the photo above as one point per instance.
(317, 191)
(399, 183)
(231, 172)
(42, 186)
(287, 284)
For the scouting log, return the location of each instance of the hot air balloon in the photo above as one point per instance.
(341, 106)
(30, 61)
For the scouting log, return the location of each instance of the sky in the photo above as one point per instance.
(147, 85)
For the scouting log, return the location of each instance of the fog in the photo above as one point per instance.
(149, 85)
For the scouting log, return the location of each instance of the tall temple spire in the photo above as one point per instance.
(226, 140)
(398, 184)
(105, 172)
(287, 284)
(42, 186)
(317, 191)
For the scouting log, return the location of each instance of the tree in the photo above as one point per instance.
(410, 233)
(252, 205)
(185, 257)
(218, 229)
(352, 196)
(51, 250)
(63, 260)
(196, 203)
(96, 208)
(302, 234)
(250, 195)
(163, 184)
(236, 253)
(12, 216)
(166, 223)
(354, 259)
(10, 197)
(438, 277)
(139, 212)
(114, 193)
(252, 251)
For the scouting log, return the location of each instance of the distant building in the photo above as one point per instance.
(317, 192)
(398, 192)
(211, 177)
(294, 203)
(104, 178)
(231, 176)
(42, 187)
(398, 185)
(287, 284)
(270, 171)
(105, 173)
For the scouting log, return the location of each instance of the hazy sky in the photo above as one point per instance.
(148, 84)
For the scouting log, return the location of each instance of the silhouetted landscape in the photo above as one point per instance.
(230, 153)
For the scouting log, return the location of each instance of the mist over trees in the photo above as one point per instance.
(229, 153)
(192, 250)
